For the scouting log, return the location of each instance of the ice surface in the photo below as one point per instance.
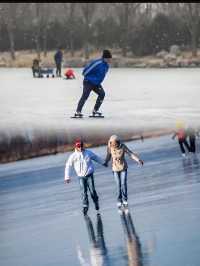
(134, 98)
(41, 221)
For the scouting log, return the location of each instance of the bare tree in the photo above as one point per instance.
(45, 12)
(88, 11)
(191, 13)
(37, 24)
(71, 14)
(8, 13)
(147, 10)
(126, 12)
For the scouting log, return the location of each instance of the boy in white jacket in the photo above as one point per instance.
(81, 160)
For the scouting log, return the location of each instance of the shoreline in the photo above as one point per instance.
(19, 148)
(160, 60)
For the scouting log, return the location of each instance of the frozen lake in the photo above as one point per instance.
(42, 224)
(134, 98)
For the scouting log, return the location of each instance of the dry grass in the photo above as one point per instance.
(25, 58)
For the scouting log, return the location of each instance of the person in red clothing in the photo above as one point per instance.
(181, 134)
(69, 74)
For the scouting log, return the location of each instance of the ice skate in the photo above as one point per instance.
(77, 115)
(96, 114)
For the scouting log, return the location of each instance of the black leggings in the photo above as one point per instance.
(192, 144)
(58, 69)
(87, 88)
(183, 142)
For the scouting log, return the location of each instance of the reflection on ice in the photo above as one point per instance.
(190, 164)
(132, 240)
(98, 250)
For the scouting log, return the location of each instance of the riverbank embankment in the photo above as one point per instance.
(40, 143)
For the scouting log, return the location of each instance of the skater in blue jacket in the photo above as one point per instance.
(94, 73)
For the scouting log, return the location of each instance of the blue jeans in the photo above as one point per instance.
(87, 183)
(121, 180)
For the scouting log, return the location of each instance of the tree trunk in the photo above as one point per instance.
(87, 40)
(71, 43)
(7, 19)
(87, 50)
(45, 43)
(125, 29)
(38, 29)
(194, 42)
(12, 43)
(72, 22)
(124, 50)
(38, 47)
(71, 47)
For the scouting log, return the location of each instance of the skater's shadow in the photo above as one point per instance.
(98, 250)
(134, 250)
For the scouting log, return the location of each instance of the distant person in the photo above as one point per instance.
(191, 133)
(58, 57)
(36, 69)
(69, 74)
(116, 151)
(198, 132)
(81, 160)
(181, 134)
(94, 74)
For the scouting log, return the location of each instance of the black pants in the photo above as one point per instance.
(58, 69)
(87, 183)
(36, 71)
(192, 144)
(87, 88)
(183, 142)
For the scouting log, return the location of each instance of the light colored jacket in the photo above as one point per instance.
(118, 156)
(82, 163)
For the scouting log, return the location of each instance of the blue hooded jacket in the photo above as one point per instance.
(95, 71)
(58, 57)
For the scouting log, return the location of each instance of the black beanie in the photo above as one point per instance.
(106, 54)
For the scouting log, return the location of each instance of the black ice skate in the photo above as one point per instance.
(96, 114)
(77, 115)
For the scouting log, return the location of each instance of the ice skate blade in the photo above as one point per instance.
(96, 116)
(78, 117)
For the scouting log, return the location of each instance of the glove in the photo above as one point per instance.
(67, 180)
